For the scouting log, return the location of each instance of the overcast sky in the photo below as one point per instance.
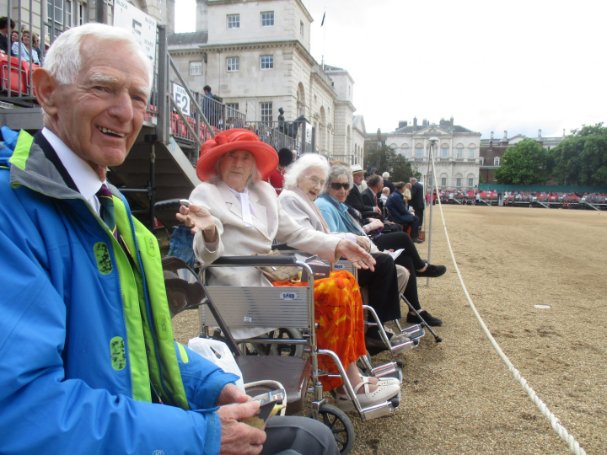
(516, 65)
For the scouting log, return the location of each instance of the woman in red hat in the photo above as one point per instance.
(235, 212)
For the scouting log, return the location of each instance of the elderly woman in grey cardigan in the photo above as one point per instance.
(304, 182)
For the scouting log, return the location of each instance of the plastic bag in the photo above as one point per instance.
(217, 352)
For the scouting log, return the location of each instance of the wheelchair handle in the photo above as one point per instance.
(256, 260)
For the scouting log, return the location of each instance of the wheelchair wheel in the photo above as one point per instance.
(340, 425)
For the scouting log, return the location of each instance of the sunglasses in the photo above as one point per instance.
(336, 186)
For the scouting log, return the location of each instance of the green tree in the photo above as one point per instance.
(581, 159)
(380, 157)
(525, 163)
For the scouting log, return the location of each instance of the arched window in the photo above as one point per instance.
(470, 179)
(443, 180)
(496, 161)
(458, 180)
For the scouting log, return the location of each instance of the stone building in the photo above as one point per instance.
(256, 57)
(455, 151)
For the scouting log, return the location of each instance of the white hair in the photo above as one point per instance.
(63, 60)
(299, 166)
(385, 175)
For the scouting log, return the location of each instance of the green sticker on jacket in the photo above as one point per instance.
(118, 353)
(102, 255)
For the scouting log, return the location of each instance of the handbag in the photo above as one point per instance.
(217, 352)
(279, 272)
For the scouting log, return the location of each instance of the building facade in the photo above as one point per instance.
(455, 150)
(256, 57)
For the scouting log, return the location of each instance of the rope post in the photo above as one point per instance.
(430, 186)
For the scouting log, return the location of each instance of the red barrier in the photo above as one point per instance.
(16, 78)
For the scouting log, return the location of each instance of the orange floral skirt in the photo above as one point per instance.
(338, 312)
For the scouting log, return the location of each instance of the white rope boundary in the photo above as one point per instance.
(574, 446)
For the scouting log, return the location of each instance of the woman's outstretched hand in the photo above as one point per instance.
(198, 218)
(352, 252)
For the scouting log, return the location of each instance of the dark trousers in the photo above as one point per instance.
(382, 288)
(409, 258)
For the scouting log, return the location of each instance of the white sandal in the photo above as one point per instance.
(381, 394)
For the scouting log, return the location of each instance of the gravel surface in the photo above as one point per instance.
(458, 397)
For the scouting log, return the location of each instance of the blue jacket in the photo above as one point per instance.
(398, 209)
(67, 362)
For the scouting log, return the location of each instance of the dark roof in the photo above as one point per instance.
(183, 39)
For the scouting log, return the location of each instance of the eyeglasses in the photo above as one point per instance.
(336, 186)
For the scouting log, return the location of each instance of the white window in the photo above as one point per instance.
(267, 18)
(443, 182)
(471, 151)
(232, 64)
(266, 112)
(458, 182)
(266, 62)
(233, 20)
(59, 16)
(481, 160)
(470, 182)
(419, 151)
(496, 161)
(195, 68)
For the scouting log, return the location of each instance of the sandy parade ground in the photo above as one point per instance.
(538, 279)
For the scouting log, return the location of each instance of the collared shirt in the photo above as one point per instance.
(245, 206)
(86, 179)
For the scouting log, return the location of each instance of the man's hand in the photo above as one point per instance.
(373, 225)
(351, 251)
(377, 210)
(239, 438)
(232, 394)
(198, 219)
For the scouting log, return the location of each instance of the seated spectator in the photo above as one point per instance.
(336, 215)
(387, 182)
(235, 212)
(355, 199)
(304, 182)
(5, 28)
(399, 213)
(375, 183)
(23, 49)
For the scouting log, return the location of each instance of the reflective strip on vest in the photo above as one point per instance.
(162, 363)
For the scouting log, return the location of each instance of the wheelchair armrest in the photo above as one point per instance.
(256, 260)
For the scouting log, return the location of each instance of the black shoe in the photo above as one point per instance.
(430, 320)
(374, 343)
(433, 271)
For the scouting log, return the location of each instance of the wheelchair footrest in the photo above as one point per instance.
(415, 331)
(387, 408)
(406, 346)
(389, 369)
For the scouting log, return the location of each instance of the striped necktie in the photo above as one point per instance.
(107, 209)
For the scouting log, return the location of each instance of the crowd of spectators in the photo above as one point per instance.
(493, 197)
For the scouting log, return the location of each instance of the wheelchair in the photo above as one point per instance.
(291, 360)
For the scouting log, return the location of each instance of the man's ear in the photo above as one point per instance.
(45, 87)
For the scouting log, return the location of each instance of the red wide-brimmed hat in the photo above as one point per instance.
(266, 158)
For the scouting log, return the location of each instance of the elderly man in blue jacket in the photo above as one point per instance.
(89, 365)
